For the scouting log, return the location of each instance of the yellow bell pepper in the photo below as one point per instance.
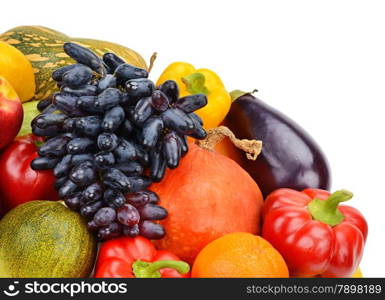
(357, 273)
(200, 81)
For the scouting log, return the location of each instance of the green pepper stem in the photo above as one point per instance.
(195, 83)
(327, 211)
(143, 269)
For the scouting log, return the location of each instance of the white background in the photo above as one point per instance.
(320, 62)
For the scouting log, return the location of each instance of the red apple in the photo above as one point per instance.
(11, 113)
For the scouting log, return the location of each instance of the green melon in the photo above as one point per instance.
(45, 239)
(30, 112)
(43, 47)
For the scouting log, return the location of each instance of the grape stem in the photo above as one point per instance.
(143, 269)
(152, 61)
(252, 147)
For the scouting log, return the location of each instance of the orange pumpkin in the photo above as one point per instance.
(207, 196)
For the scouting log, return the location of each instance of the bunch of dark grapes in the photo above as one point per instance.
(109, 133)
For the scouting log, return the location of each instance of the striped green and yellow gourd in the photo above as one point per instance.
(43, 47)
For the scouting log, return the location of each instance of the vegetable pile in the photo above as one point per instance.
(169, 178)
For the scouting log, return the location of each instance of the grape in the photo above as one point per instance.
(125, 129)
(113, 119)
(151, 230)
(67, 188)
(115, 179)
(80, 145)
(170, 89)
(128, 215)
(69, 135)
(55, 146)
(126, 101)
(131, 231)
(45, 120)
(83, 174)
(77, 76)
(126, 72)
(108, 81)
(138, 183)
(107, 141)
(79, 158)
(110, 231)
(84, 56)
(104, 216)
(158, 165)
(152, 197)
(130, 112)
(171, 149)
(126, 151)
(191, 103)
(104, 160)
(198, 132)
(74, 201)
(57, 75)
(152, 212)
(151, 131)
(69, 124)
(44, 163)
(143, 110)
(112, 60)
(44, 103)
(107, 99)
(183, 144)
(60, 181)
(177, 120)
(93, 192)
(49, 109)
(130, 168)
(92, 226)
(67, 104)
(108, 136)
(159, 101)
(85, 90)
(86, 104)
(62, 167)
(141, 198)
(49, 131)
(196, 119)
(114, 198)
(90, 125)
(139, 88)
(88, 210)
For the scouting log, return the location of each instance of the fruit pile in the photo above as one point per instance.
(168, 176)
(106, 128)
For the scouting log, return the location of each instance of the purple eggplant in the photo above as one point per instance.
(290, 157)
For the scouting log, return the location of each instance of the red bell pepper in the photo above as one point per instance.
(18, 182)
(314, 234)
(126, 257)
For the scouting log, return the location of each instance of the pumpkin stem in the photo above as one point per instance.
(152, 60)
(252, 147)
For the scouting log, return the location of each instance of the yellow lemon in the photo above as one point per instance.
(17, 69)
